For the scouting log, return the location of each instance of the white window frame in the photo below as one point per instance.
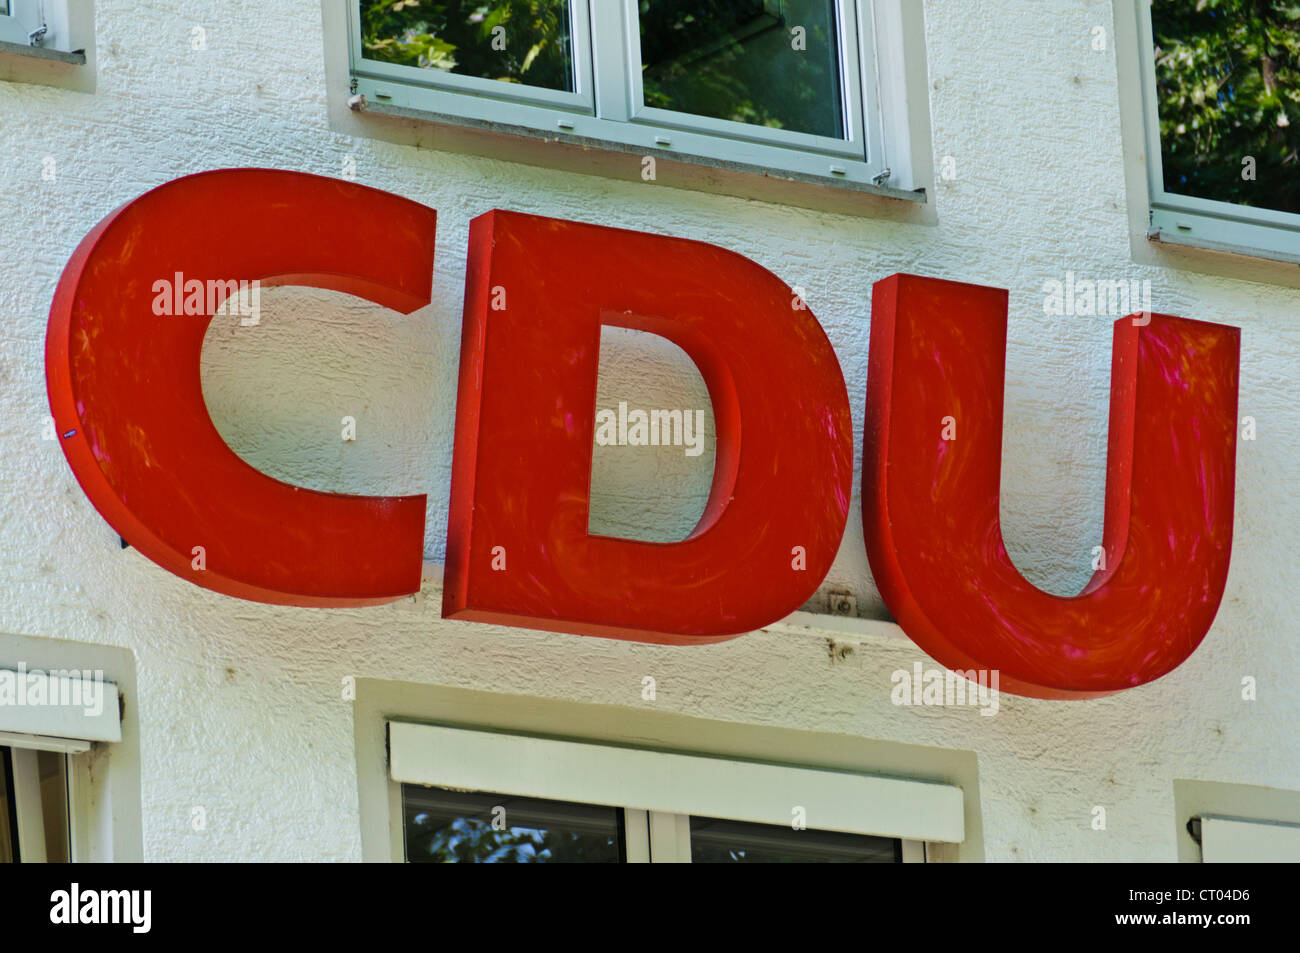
(482, 93)
(1236, 840)
(67, 729)
(659, 791)
(19, 20)
(29, 801)
(607, 106)
(44, 25)
(1203, 223)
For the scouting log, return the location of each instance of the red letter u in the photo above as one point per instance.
(930, 495)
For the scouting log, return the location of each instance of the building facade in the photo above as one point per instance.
(1005, 146)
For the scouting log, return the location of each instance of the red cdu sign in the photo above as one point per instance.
(126, 397)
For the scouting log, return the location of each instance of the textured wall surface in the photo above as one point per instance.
(239, 703)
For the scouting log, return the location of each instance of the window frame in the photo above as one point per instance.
(849, 43)
(582, 100)
(514, 764)
(617, 117)
(670, 839)
(28, 802)
(1237, 840)
(25, 16)
(100, 749)
(1198, 222)
(56, 24)
(66, 56)
(650, 837)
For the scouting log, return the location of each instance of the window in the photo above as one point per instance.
(1245, 841)
(787, 85)
(33, 806)
(21, 22)
(43, 25)
(49, 42)
(720, 841)
(1222, 113)
(484, 797)
(444, 826)
(49, 721)
(1217, 822)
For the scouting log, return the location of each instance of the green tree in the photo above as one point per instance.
(515, 41)
(1228, 88)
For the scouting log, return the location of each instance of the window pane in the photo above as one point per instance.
(716, 841)
(453, 827)
(768, 63)
(514, 41)
(1228, 89)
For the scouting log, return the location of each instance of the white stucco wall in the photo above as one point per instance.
(239, 703)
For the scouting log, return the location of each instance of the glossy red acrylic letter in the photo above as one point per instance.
(931, 495)
(128, 404)
(518, 550)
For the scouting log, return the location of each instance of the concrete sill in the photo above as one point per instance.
(1204, 258)
(1165, 237)
(575, 153)
(75, 58)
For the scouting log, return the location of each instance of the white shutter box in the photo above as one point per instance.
(675, 783)
(57, 710)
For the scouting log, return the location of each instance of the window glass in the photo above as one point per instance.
(444, 826)
(514, 41)
(715, 841)
(768, 63)
(1228, 92)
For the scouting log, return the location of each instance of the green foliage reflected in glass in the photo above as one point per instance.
(763, 62)
(514, 41)
(1228, 88)
(448, 827)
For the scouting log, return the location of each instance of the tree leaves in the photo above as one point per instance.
(1228, 89)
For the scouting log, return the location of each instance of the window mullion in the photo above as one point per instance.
(611, 21)
(29, 806)
(636, 836)
(857, 75)
(670, 838)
